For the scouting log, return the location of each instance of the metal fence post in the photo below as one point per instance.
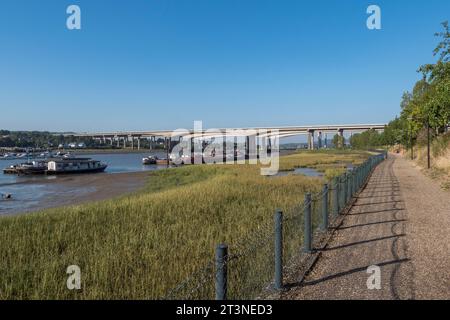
(344, 190)
(325, 207)
(335, 197)
(360, 178)
(221, 271)
(351, 182)
(354, 174)
(357, 179)
(278, 249)
(349, 186)
(308, 233)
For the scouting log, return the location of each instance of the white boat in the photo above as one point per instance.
(149, 160)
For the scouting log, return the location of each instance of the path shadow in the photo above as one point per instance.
(376, 203)
(375, 211)
(362, 242)
(381, 196)
(344, 273)
(370, 224)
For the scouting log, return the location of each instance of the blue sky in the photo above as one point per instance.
(161, 64)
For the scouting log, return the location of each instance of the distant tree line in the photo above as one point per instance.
(49, 140)
(38, 139)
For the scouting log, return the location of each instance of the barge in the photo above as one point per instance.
(54, 166)
(74, 165)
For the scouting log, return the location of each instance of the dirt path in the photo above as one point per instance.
(400, 223)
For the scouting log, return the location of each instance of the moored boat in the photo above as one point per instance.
(34, 167)
(154, 160)
(74, 165)
(161, 161)
(149, 160)
(57, 166)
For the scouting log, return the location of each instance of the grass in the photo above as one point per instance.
(440, 160)
(331, 162)
(139, 246)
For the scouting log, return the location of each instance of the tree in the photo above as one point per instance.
(429, 103)
(338, 141)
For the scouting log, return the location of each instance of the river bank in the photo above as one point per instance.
(125, 174)
(69, 190)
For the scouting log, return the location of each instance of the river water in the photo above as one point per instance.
(28, 192)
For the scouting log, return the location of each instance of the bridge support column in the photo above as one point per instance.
(224, 147)
(247, 147)
(150, 143)
(192, 151)
(319, 140)
(342, 139)
(251, 151)
(139, 143)
(311, 140)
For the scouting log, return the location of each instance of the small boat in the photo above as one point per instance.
(35, 167)
(154, 160)
(161, 161)
(60, 154)
(74, 165)
(6, 196)
(149, 160)
(9, 156)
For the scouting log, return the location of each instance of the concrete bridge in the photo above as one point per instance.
(134, 137)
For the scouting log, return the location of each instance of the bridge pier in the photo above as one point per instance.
(319, 140)
(150, 142)
(310, 139)
(250, 149)
(342, 139)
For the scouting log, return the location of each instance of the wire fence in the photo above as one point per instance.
(255, 264)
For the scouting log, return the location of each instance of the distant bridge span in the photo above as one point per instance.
(268, 132)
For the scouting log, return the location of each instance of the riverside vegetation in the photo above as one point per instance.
(140, 245)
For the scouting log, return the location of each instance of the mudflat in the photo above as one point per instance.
(74, 190)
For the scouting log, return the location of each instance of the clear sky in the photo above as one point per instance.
(161, 64)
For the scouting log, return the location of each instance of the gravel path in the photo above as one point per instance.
(400, 223)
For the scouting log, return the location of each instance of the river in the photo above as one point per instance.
(30, 193)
